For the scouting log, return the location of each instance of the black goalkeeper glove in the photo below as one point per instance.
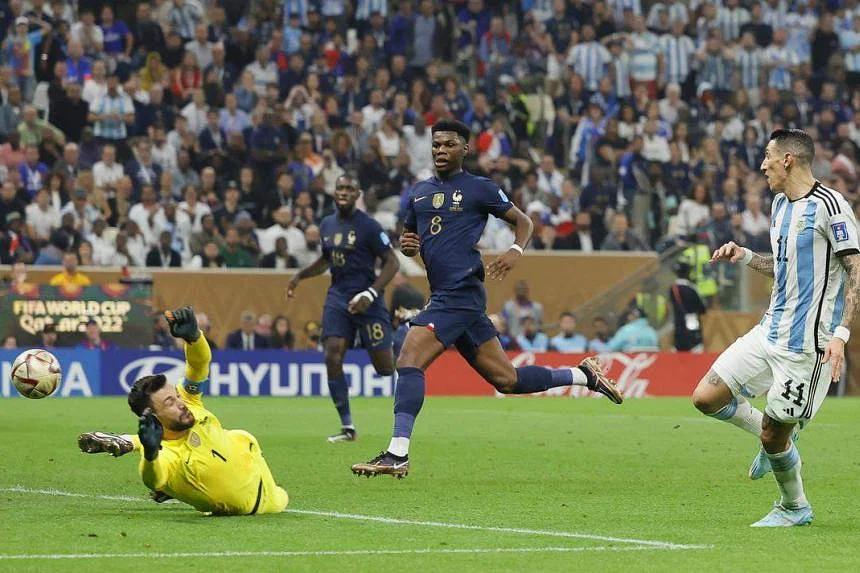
(150, 432)
(183, 323)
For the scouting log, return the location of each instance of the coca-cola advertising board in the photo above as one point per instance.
(637, 374)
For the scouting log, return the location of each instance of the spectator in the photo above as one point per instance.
(530, 339)
(205, 326)
(33, 172)
(210, 257)
(280, 258)
(32, 130)
(508, 342)
(82, 211)
(311, 249)
(111, 113)
(282, 334)
(693, 211)
(264, 327)
(687, 310)
(15, 244)
(233, 253)
(70, 276)
(49, 336)
(520, 306)
(602, 335)
(621, 237)
(94, 340)
(42, 217)
(313, 332)
(162, 339)
(108, 171)
(246, 338)
(163, 255)
(10, 343)
(568, 340)
(636, 335)
(756, 225)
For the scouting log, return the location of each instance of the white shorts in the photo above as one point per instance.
(796, 383)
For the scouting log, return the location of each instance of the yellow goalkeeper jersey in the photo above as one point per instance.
(211, 468)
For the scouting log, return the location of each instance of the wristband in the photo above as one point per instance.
(748, 255)
(842, 334)
(516, 247)
(372, 291)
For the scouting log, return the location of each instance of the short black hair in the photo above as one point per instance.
(454, 125)
(141, 390)
(797, 142)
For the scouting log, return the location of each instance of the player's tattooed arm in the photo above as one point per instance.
(851, 264)
(764, 265)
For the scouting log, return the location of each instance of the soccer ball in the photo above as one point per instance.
(36, 373)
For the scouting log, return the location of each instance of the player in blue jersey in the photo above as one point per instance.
(445, 217)
(798, 347)
(351, 244)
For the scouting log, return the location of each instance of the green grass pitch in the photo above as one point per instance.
(542, 484)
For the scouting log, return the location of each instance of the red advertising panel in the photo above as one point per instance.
(638, 375)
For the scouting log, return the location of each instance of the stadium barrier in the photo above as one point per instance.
(302, 373)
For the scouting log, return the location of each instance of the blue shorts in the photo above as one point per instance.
(466, 329)
(373, 326)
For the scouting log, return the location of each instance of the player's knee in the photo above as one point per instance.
(333, 361)
(773, 440)
(706, 397)
(385, 370)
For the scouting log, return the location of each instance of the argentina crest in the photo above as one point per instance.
(438, 200)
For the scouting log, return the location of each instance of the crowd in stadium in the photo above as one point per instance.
(205, 133)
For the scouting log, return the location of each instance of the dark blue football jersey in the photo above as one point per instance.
(449, 215)
(351, 246)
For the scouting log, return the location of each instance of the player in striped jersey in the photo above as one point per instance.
(799, 345)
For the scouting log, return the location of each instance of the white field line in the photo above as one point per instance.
(396, 521)
(323, 553)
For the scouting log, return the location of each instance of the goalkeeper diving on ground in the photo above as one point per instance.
(186, 453)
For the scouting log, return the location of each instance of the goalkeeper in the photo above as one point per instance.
(187, 454)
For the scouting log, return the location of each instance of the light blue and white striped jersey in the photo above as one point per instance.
(781, 60)
(299, 7)
(808, 236)
(774, 16)
(678, 54)
(643, 56)
(619, 6)
(622, 75)
(365, 8)
(111, 128)
(749, 65)
(848, 40)
(589, 60)
(730, 21)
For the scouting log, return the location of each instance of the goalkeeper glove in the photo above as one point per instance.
(183, 324)
(150, 432)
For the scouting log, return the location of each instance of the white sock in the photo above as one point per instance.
(399, 447)
(786, 469)
(579, 377)
(741, 413)
(128, 437)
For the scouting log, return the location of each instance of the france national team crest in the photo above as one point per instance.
(840, 231)
(338, 237)
(456, 198)
(438, 200)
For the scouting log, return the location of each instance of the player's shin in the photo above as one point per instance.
(408, 399)
(339, 391)
(742, 414)
(531, 379)
(786, 470)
